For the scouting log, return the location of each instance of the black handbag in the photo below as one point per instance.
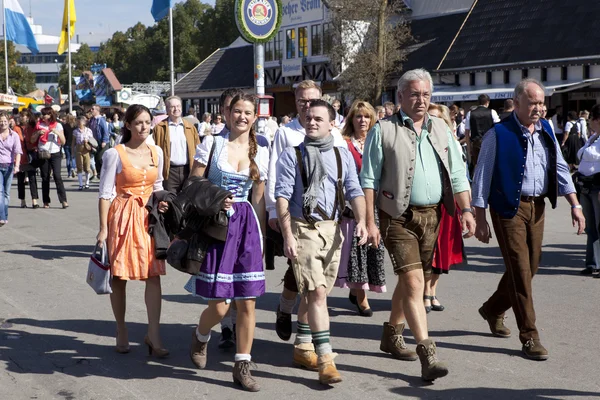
(187, 255)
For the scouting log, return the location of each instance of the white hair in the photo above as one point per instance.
(413, 75)
(521, 86)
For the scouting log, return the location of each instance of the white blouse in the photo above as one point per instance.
(590, 157)
(203, 152)
(111, 166)
(53, 144)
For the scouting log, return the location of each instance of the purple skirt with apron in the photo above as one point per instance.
(233, 269)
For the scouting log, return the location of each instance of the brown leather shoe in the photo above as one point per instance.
(534, 350)
(198, 351)
(328, 373)
(392, 342)
(305, 356)
(242, 376)
(431, 367)
(496, 324)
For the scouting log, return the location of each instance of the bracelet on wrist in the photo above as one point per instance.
(577, 206)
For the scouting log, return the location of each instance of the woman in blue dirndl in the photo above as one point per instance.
(233, 270)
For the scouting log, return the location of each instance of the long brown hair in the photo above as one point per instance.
(252, 143)
(132, 113)
(358, 106)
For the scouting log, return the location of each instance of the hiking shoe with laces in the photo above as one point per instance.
(534, 350)
(392, 342)
(242, 376)
(496, 324)
(431, 367)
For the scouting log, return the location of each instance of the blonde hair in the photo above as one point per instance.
(308, 84)
(444, 113)
(358, 106)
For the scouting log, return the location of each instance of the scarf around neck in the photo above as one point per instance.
(315, 169)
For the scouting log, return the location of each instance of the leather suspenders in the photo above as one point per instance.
(339, 189)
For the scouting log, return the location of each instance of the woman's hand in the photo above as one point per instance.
(101, 237)
(228, 203)
(163, 207)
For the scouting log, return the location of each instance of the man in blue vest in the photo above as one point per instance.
(519, 166)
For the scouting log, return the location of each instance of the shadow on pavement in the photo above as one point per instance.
(489, 393)
(49, 252)
(556, 260)
(42, 353)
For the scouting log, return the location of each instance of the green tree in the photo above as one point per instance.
(81, 61)
(371, 43)
(141, 54)
(20, 79)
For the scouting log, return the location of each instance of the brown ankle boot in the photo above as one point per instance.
(496, 324)
(242, 376)
(431, 367)
(328, 373)
(198, 351)
(305, 356)
(392, 342)
(534, 350)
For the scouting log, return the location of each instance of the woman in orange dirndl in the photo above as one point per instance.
(131, 172)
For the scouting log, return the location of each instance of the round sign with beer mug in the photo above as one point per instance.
(258, 20)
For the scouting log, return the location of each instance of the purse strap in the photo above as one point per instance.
(210, 156)
(101, 252)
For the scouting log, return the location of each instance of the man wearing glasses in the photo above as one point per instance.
(409, 168)
(178, 139)
(289, 136)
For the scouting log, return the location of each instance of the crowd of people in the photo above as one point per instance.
(329, 191)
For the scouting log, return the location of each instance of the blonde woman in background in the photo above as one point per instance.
(361, 266)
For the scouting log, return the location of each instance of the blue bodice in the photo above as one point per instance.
(237, 183)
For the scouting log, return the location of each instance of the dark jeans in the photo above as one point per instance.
(32, 184)
(520, 240)
(591, 212)
(177, 177)
(54, 164)
(98, 159)
(70, 158)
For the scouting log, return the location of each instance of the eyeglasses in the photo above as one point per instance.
(304, 102)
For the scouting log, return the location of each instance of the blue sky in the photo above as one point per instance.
(96, 20)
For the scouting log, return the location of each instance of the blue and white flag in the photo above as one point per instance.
(160, 8)
(18, 29)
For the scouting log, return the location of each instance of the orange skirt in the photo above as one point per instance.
(130, 246)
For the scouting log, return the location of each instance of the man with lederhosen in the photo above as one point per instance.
(409, 162)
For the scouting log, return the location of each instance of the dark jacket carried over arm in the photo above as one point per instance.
(156, 223)
(198, 200)
(196, 218)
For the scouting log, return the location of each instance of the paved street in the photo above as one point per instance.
(57, 336)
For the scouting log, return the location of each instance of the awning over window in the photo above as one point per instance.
(447, 93)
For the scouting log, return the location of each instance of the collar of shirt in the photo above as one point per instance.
(296, 126)
(524, 129)
(178, 123)
(408, 121)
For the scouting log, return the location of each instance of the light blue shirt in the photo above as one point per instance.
(428, 187)
(535, 176)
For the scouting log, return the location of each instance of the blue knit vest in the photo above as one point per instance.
(511, 154)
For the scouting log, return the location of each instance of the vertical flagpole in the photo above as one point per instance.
(171, 51)
(5, 44)
(69, 57)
